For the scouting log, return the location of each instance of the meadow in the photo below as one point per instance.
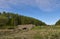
(38, 32)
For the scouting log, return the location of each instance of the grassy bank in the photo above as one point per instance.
(41, 32)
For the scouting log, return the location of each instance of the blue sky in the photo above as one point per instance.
(47, 11)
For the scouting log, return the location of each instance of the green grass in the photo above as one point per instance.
(8, 27)
(46, 27)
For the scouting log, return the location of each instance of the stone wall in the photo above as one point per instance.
(23, 27)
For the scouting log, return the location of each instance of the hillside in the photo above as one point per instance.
(8, 19)
(30, 20)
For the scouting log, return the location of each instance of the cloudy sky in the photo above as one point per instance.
(46, 10)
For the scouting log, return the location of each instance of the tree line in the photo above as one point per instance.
(11, 19)
(58, 22)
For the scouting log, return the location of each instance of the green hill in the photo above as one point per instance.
(8, 19)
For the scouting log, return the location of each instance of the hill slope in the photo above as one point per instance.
(12, 20)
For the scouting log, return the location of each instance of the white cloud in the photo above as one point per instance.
(47, 5)
(44, 5)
